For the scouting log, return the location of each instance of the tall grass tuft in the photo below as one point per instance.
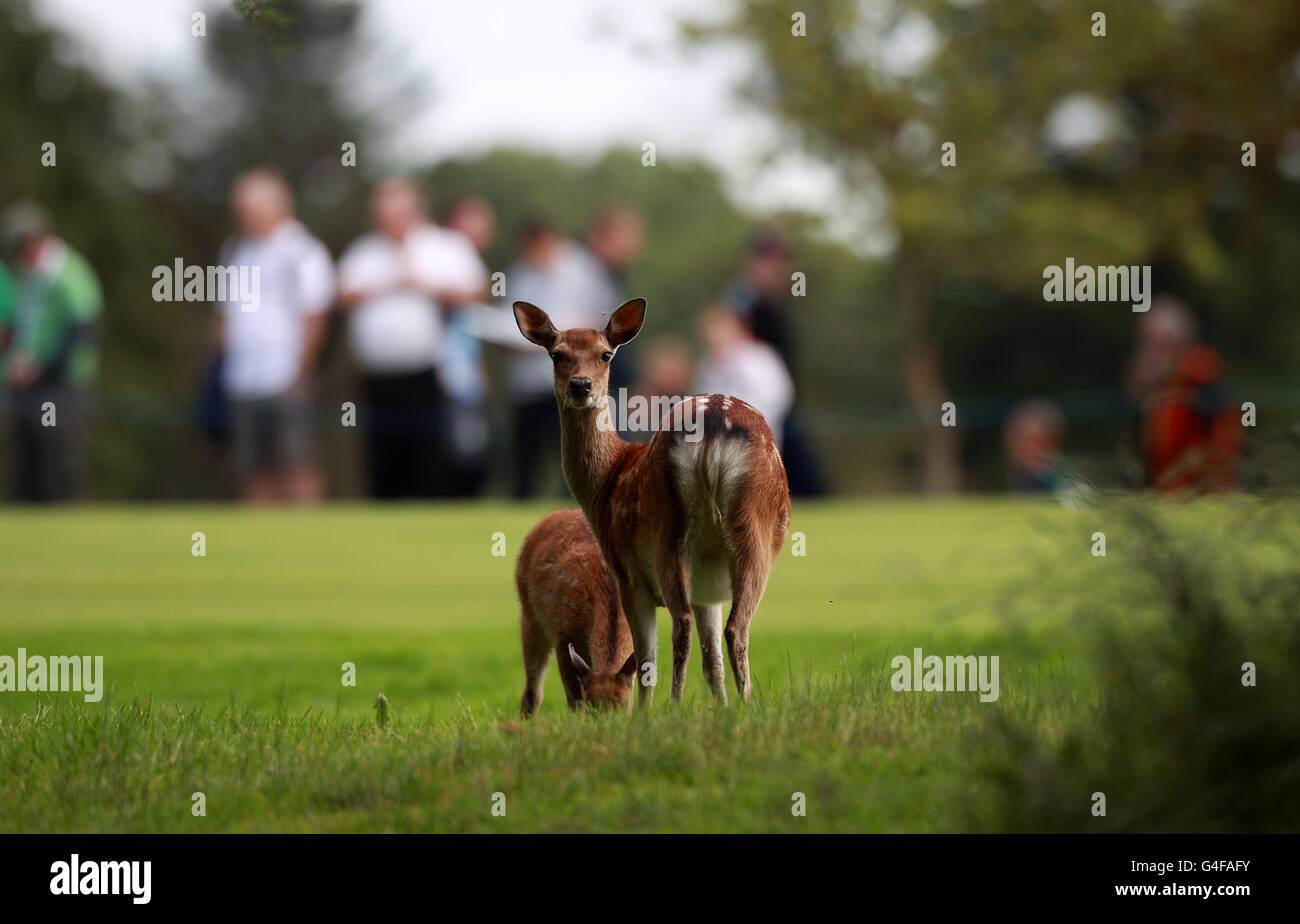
(1179, 740)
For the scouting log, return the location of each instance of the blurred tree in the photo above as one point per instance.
(141, 180)
(104, 144)
(284, 97)
(1122, 148)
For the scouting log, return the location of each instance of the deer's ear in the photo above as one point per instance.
(535, 325)
(625, 323)
(629, 666)
(580, 666)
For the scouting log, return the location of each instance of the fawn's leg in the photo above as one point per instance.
(708, 620)
(537, 651)
(568, 676)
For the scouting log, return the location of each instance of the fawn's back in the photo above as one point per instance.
(569, 605)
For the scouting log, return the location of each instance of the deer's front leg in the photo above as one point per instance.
(681, 652)
(640, 610)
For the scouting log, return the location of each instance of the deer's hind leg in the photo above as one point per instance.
(708, 620)
(673, 582)
(751, 563)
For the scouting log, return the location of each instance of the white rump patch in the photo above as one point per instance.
(706, 473)
(707, 476)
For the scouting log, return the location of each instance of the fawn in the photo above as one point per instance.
(569, 604)
(687, 521)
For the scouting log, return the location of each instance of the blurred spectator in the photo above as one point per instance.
(48, 354)
(271, 347)
(666, 372)
(758, 297)
(554, 273)
(740, 365)
(461, 370)
(1033, 435)
(474, 217)
(667, 368)
(396, 282)
(615, 238)
(1190, 433)
(8, 302)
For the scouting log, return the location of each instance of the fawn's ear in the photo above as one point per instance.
(625, 323)
(535, 325)
(629, 666)
(580, 666)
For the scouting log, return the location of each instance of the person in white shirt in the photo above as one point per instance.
(396, 283)
(271, 340)
(744, 367)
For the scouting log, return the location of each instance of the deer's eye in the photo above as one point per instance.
(606, 356)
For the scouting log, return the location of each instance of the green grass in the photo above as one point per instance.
(224, 672)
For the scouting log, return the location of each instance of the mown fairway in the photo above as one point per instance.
(223, 675)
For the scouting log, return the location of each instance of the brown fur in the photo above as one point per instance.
(567, 597)
(650, 514)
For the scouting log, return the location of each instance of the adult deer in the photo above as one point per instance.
(687, 521)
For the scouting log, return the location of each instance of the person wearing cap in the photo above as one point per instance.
(48, 355)
(8, 299)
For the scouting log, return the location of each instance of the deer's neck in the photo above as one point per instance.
(591, 451)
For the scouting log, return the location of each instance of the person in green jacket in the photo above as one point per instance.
(48, 354)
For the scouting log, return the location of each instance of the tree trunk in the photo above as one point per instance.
(923, 379)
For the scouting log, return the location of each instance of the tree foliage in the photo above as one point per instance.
(1122, 148)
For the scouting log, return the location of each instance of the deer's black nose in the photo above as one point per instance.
(579, 386)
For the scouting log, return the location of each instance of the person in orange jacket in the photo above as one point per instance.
(1190, 433)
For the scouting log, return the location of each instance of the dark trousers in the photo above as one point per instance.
(536, 437)
(800, 456)
(48, 425)
(406, 425)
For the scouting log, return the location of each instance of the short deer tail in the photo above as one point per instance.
(711, 478)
